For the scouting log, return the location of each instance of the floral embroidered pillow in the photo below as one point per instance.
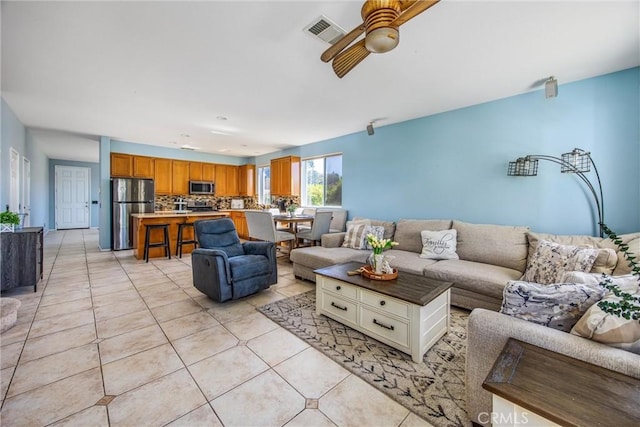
(439, 244)
(551, 260)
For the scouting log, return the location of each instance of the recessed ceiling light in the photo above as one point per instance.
(223, 118)
(189, 147)
(217, 132)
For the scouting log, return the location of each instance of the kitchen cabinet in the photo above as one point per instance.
(179, 177)
(143, 167)
(285, 176)
(121, 165)
(246, 180)
(226, 180)
(162, 176)
(195, 171)
(209, 172)
(240, 221)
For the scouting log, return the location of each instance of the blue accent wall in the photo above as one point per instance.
(94, 188)
(454, 164)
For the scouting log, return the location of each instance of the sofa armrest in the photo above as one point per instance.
(488, 332)
(333, 240)
(267, 249)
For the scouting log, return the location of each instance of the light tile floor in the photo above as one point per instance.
(108, 340)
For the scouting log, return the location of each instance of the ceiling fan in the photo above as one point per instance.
(381, 19)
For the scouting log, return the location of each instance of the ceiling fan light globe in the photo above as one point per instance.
(382, 39)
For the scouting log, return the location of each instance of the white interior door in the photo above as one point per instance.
(26, 191)
(72, 197)
(14, 181)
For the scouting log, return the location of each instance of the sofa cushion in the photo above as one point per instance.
(378, 233)
(597, 325)
(474, 276)
(316, 257)
(409, 262)
(439, 244)
(408, 232)
(633, 241)
(557, 306)
(389, 226)
(501, 245)
(548, 263)
(607, 257)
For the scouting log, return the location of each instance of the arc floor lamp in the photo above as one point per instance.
(577, 161)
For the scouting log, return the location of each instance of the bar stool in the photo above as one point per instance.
(180, 241)
(164, 243)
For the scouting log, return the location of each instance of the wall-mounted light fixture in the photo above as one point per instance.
(551, 87)
(577, 161)
(370, 129)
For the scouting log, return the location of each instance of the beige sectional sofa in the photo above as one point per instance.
(490, 256)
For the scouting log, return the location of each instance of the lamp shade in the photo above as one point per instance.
(382, 39)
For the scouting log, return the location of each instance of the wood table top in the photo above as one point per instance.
(562, 389)
(408, 287)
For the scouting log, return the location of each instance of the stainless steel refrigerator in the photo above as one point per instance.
(128, 195)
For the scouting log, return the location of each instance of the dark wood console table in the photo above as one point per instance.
(22, 258)
(527, 381)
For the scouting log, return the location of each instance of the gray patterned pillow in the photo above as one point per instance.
(551, 260)
(557, 306)
(376, 230)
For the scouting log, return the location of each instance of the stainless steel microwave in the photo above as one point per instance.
(201, 187)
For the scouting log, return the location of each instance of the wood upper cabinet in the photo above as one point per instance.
(162, 176)
(226, 179)
(285, 176)
(121, 165)
(209, 172)
(143, 167)
(179, 177)
(195, 171)
(246, 180)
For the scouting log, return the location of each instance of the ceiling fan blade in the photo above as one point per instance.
(413, 10)
(345, 61)
(341, 44)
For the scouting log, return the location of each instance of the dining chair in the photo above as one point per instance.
(306, 211)
(262, 227)
(339, 220)
(320, 226)
(279, 226)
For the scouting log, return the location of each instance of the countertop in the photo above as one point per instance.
(169, 214)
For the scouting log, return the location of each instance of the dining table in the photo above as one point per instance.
(293, 221)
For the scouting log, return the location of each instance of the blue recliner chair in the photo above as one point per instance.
(224, 268)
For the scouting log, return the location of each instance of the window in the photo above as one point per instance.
(264, 185)
(322, 181)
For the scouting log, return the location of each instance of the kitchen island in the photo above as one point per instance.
(173, 218)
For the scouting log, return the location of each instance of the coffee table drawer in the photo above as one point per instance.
(391, 329)
(338, 307)
(339, 287)
(385, 303)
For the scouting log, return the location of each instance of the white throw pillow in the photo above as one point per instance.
(551, 260)
(439, 244)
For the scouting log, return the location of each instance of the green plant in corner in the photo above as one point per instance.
(629, 305)
(8, 217)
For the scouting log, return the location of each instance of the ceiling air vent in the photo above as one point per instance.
(325, 29)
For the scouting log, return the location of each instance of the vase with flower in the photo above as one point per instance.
(377, 258)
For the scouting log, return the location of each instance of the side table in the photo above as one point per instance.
(537, 387)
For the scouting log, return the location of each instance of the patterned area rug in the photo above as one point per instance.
(433, 389)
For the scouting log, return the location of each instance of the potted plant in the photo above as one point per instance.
(292, 208)
(8, 221)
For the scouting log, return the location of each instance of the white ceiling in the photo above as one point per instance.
(153, 72)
